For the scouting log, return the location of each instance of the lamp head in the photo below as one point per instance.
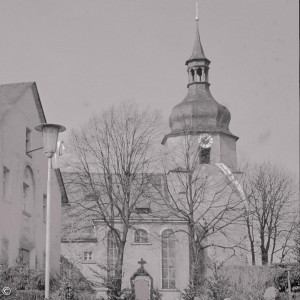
(50, 135)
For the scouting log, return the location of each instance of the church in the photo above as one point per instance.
(158, 250)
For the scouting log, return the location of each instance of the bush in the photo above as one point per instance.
(281, 278)
(24, 282)
(234, 282)
(30, 284)
(70, 280)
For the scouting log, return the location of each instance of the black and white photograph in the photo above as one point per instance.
(149, 150)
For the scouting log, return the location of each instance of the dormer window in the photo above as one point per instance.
(142, 210)
(204, 155)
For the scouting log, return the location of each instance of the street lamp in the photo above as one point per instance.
(50, 135)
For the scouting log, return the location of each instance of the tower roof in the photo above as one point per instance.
(199, 111)
(198, 52)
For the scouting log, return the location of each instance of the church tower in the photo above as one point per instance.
(200, 116)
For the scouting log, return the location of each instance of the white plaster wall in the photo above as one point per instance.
(176, 148)
(150, 252)
(228, 152)
(23, 231)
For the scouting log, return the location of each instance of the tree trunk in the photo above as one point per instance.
(194, 257)
(117, 280)
(251, 239)
(252, 252)
(264, 256)
(191, 255)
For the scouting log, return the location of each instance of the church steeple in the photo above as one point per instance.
(198, 64)
(200, 113)
(198, 52)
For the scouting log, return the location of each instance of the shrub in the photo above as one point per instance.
(249, 282)
(24, 281)
(234, 282)
(30, 284)
(71, 280)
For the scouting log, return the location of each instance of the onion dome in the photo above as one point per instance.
(199, 112)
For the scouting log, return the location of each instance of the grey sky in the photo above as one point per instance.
(87, 55)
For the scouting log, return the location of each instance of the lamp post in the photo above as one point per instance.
(50, 135)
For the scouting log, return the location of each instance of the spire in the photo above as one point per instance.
(198, 52)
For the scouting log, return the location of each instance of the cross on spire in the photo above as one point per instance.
(142, 262)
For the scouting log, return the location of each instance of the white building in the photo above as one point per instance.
(23, 178)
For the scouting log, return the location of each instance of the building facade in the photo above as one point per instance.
(23, 180)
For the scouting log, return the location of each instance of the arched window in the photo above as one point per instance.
(141, 236)
(112, 253)
(28, 191)
(199, 73)
(193, 75)
(168, 259)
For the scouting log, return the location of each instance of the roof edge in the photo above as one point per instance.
(64, 196)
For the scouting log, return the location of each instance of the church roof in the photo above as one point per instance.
(78, 223)
(199, 112)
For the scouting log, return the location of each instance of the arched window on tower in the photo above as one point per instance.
(112, 253)
(141, 236)
(204, 155)
(199, 73)
(193, 75)
(168, 259)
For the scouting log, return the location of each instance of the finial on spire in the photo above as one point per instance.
(197, 18)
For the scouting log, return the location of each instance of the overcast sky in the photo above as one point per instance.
(86, 55)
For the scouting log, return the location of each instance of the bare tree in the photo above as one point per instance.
(110, 158)
(272, 214)
(204, 197)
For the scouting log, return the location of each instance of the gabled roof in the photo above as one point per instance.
(11, 93)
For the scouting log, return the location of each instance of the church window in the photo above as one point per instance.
(112, 252)
(87, 256)
(168, 259)
(141, 236)
(204, 155)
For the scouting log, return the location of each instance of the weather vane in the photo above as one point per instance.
(197, 18)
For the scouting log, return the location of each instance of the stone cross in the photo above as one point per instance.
(142, 262)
